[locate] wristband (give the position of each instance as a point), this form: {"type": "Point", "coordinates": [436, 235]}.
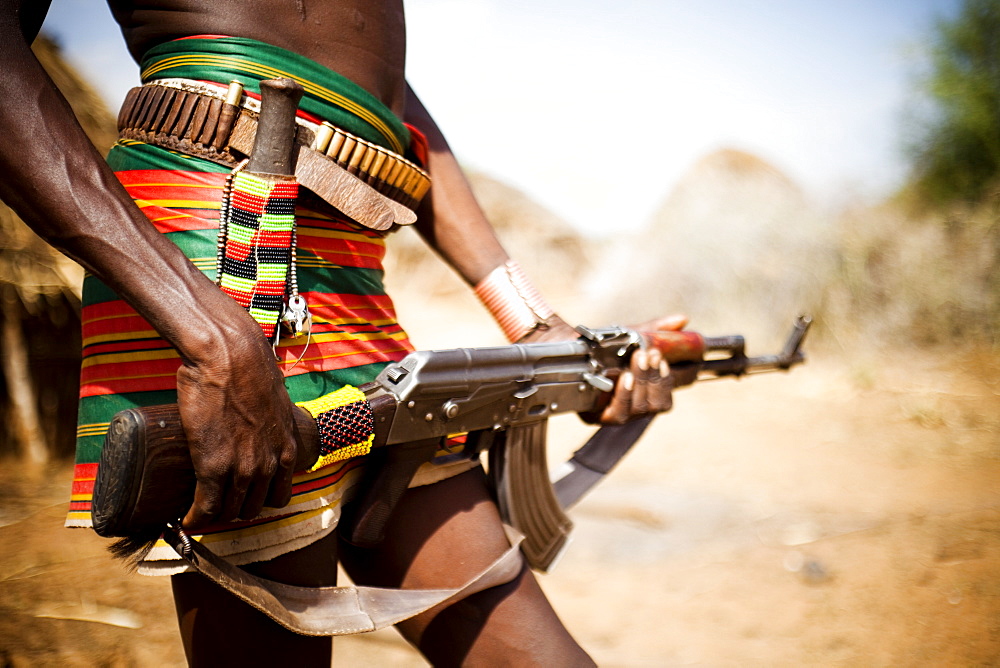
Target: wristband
{"type": "Point", "coordinates": [513, 301]}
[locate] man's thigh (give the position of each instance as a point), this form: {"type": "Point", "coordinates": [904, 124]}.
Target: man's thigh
{"type": "Point", "coordinates": [442, 535]}
{"type": "Point", "coordinates": [218, 629]}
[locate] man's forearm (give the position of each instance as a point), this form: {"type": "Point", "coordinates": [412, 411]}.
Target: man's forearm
{"type": "Point", "coordinates": [60, 186]}
{"type": "Point", "coordinates": [452, 222]}
{"type": "Point", "coordinates": [450, 218]}
{"type": "Point", "coordinates": [233, 403]}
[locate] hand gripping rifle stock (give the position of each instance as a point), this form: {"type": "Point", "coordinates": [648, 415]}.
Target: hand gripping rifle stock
{"type": "Point", "coordinates": [500, 396]}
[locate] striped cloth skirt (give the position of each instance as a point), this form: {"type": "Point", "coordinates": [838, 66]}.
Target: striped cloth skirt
{"type": "Point", "coordinates": [339, 269]}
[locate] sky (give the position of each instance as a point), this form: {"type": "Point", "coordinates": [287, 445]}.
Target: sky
{"type": "Point", "coordinates": [595, 108]}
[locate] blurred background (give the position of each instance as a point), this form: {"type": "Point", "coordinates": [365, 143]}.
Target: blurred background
{"type": "Point", "coordinates": [740, 165]}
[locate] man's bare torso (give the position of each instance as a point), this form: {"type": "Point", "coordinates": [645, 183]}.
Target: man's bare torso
{"type": "Point", "coordinates": [365, 40]}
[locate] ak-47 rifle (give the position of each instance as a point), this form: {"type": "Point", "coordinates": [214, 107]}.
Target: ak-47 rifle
{"type": "Point", "coordinates": [500, 396]}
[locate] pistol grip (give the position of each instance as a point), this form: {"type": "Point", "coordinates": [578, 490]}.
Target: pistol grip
{"type": "Point", "coordinates": [390, 471]}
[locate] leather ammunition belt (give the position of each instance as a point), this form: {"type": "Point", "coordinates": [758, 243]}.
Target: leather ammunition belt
{"type": "Point", "coordinates": [367, 182]}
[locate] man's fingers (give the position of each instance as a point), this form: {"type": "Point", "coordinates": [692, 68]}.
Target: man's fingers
{"type": "Point", "coordinates": [253, 502]}
{"type": "Point", "coordinates": [280, 490]}
{"type": "Point", "coordinates": [672, 322]}
{"type": "Point", "coordinates": [646, 387]}
{"type": "Point", "coordinates": [652, 392]}
{"type": "Point", "coordinates": [664, 388]}
{"type": "Point", "coordinates": [235, 497]}
{"type": "Point", "coordinates": [656, 385]}
{"type": "Point", "coordinates": [640, 392]}
{"type": "Point", "coordinates": [207, 505]}
{"type": "Point", "coordinates": [239, 499]}
{"type": "Point", "coordinates": [618, 409]}
{"type": "Point", "coordinates": [249, 488]}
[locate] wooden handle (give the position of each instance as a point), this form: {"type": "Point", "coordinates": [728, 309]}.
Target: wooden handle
{"type": "Point", "coordinates": [275, 140]}
{"type": "Point", "coordinates": [682, 346]}
{"type": "Point", "coordinates": [146, 478]}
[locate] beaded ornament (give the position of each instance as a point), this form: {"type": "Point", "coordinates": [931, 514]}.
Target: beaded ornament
{"type": "Point", "coordinates": [345, 423]}
{"type": "Point", "coordinates": [513, 301]}
{"type": "Point", "coordinates": [256, 232]}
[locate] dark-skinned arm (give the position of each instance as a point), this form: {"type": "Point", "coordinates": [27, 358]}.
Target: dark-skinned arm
{"type": "Point", "coordinates": [235, 410]}
{"type": "Point", "coordinates": [453, 224]}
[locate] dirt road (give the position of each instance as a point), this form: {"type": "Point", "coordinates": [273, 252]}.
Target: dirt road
{"type": "Point", "coordinates": [845, 514]}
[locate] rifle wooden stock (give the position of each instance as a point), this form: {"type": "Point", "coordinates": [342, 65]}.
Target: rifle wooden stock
{"type": "Point", "coordinates": [146, 478]}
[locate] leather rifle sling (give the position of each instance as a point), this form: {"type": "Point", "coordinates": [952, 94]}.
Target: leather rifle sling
{"type": "Point", "coordinates": [332, 611]}
{"type": "Point", "coordinates": [595, 459]}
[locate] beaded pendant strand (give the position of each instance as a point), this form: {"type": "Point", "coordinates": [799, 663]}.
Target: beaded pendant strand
{"type": "Point", "coordinates": [255, 249]}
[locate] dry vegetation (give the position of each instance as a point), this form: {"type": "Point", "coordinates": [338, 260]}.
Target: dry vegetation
{"type": "Point", "coordinates": [926, 278]}
{"type": "Point", "coordinates": [735, 245]}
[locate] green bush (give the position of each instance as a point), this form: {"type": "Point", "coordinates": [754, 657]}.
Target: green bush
{"type": "Point", "coordinates": [956, 156]}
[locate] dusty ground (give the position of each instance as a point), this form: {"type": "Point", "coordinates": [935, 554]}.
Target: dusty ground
{"type": "Point", "coordinates": [845, 514]}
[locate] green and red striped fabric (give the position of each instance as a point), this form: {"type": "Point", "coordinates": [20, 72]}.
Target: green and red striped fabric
{"type": "Point", "coordinates": [328, 95]}
{"type": "Point", "coordinates": [127, 364]}
{"type": "Point", "coordinates": [354, 329]}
